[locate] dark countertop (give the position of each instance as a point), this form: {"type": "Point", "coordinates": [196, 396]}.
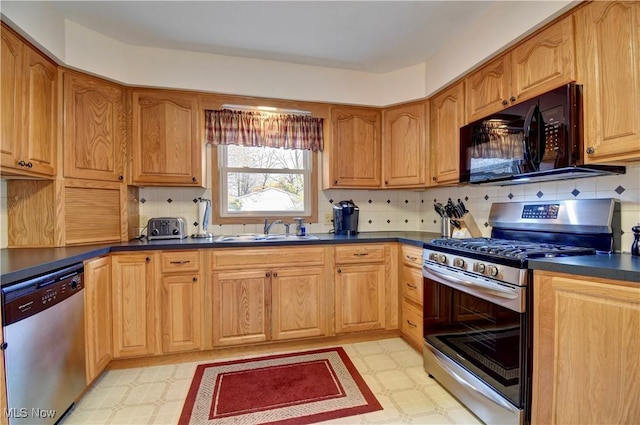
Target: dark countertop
{"type": "Point", "coordinates": [22, 263]}
{"type": "Point", "coordinates": [613, 266]}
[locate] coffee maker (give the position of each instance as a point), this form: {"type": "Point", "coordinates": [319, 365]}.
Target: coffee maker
{"type": "Point", "coordinates": [345, 218]}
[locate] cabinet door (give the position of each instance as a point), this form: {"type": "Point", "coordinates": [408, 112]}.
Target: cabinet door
{"type": "Point", "coordinates": [180, 312]}
{"type": "Point", "coordinates": [412, 325]}
{"type": "Point", "coordinates": [404, 146]}
{"type": "Point", "coordinates": [488, 89]}
{"type": "Point", "coordinates": [360, 296]}
{"type": "Point", "coordinates": [240, 309]}
{"type": "Point", "coordinates": [40, 118]}
{"type": "Point", "coordinates": [608, 52]}
{"type": "Point", "coordinates": [166, 143]}
{"type": "Point", "coordinates": [447, 116]}
{"type": "Point", "coordinates": [97, 313]}
{"type": "Point", "coordinates": [299, 303]}
{"type": "Point", "coordinates": [11, 69]}
{"type": "Point", "coordinates": [354, 154]}
{"type": "Point", "coordinates": [133, 305]}
{"type": "Point", "coordinates": [543, 62]}
{"type": "Point", "coordinates": [586, 339]}
{"type": "Point", "coordinates": [94, 128]}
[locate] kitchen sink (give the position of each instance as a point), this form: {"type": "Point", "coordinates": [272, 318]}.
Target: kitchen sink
{"type": "Point", "coordinates": [260, 237]}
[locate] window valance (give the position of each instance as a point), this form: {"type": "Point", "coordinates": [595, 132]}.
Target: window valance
{"type": "Point", "coordinates": [252, 128]}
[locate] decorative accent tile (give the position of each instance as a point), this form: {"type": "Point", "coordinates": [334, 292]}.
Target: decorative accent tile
{"type": "Point", "coordinates": [388, 221]}
{"type": "Point", "coordinates": [466, 198]}
{"type": "Point", "coordinates": [370, 221]}
{"type": "Point", "coordinates": [539, 194]}
{"type": "Point", "coordinates": [370, 201]}
{"type": "Point", "coordinates": [195, 200]}
{"type": "Point", "coordinates": [406, 220]}
{"type": "Point", "coordinates": [575, 192]}
{"type": "Point", "coordinates": [406, 201]}
{"type": "Point", "coordinates": [619, 190]}
{"type": "Point", "coordinates": [142, 200]}
{"type": "Point", "coordinates": [331, 201]}
{"type": "Point", "coordinates": [195, 223]}
{"type": "Point", "coordinates": [486, 224]}
{"type": "Point", "coordinates": [169, 200]}
{"type": "Point", "coordinates": [510, 195]}
{"type": "Point", "coordinates": [435, 200]}
{"type": "Point", "coordinates": [422, 201]}
{"type": "Point", "coordinates": [388, 201]}
{"type": "Point", "coordinates": [486, 197]}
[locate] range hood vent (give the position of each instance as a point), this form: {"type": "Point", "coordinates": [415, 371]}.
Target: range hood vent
{"type": "Point", "coordinates": [566, 173]}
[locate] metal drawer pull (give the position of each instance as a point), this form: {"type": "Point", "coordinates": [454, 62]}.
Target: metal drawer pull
{"type": "Point", "coordinates": [410, 323]}
{"type": "Point", "coordinates": [409, 257]}
{"type": "Point", "coordinates": [411, 286]}
{"type": "Point", "coordinates": [180, 262]}
{"type": "Point", "coordinates": [361, 254]}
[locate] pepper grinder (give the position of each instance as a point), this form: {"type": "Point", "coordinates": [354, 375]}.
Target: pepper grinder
{"type": "Point", "coordinates": [635, 246]}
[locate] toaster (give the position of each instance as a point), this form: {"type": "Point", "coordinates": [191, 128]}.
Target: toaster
{"type": "Point", "coordinates": [166, 228]}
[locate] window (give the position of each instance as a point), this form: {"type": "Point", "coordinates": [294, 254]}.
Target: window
{"type": "Point", "coordinates": [258, 182]}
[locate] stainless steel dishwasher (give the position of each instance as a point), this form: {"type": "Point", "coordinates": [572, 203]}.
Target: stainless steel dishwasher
{"type": "Point", "coordinates": [44, 349]}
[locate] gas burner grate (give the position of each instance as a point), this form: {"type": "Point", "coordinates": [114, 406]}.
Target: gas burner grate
{"type": "Point", "coordinates": [511, 248]}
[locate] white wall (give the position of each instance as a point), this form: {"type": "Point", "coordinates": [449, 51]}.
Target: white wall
{"type": "Point", "coordinates": [79, 47]}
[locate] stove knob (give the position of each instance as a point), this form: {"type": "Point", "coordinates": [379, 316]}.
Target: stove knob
{"type": "Point", "coordinates": [176, 232]}
{"type": "Point", "coordinates": [458, 262]}
{"type": "Point", "coordinates": [433, 256]}
{"type": "Point", "coordinates": [493, 271]}
{"type": "Point", "coordinates": [442, 258]}
{"type": "Point", "coordinates": [155, 232]}
{"type": "Point", "coordinates": [480, 267]}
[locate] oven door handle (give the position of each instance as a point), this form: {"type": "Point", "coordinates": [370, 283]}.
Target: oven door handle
{"type": "Point", "coordinates": [493, 288]}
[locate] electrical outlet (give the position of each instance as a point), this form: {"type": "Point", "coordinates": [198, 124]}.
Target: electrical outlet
{"type": "Point", "coordinates": [328, 219]}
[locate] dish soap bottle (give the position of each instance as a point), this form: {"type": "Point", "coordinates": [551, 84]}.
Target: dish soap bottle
{"type": "Point", "coordinates": [300, 227]}
{"type": "Point", "coordinates": [635, 246]}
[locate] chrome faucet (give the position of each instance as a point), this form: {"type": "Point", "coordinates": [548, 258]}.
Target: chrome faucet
{"type": "Point", "coordinates": [267, 225]}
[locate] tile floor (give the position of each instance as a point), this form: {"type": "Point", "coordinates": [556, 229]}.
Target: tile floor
{"type": "Point", "coordinates": [391, 368]}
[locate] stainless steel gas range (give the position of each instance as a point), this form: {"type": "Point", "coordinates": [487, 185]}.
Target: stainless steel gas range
{"type": "Point", "coordinates": [477, 299]}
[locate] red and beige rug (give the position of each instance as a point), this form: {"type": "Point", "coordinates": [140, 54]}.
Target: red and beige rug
{"type": "Point", "coordinates": [296, 388]}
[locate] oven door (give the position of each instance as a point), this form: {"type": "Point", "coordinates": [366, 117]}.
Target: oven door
{"type": "Point", "coordinates": [475, 346]}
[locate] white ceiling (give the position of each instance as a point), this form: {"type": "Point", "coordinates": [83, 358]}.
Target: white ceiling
{"type": "Point", "coordinates": [371, 36]}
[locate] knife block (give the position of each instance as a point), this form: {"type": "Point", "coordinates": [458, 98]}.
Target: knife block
{"type": "Point", "coordinates": [468, 228]}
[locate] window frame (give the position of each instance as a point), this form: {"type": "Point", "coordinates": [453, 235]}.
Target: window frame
{"type": "Point", "coordinates": [259, 216]}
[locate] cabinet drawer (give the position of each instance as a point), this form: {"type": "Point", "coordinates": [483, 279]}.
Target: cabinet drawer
{"type": "Point", "coordinates": [412, 323]}
{"type": "Point", "coordinates": [234, 258]}
{"type": "Point", "coordinates": [180, 261]}
{"type": "Point", "coordinates": [412, 255]}
{"type": "Point", "coordinates": [358, 253]}
{"type": "Point", "coordinates": [411, 281]}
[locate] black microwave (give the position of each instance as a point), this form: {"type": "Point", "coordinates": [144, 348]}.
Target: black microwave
{"type": "Point", "coordinates": [538, 139]}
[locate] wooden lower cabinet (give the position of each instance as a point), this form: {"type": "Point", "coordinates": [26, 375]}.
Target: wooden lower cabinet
{"type": "Point", "coordinates": [299, 307]}
{"type": "Point", "coordinates": [264, 294]}
{"type": "Point", "coordinates": [411, 292]}
{"type": "Point", "coordinates": [586, 340]}
{"type": "Point", "coordinates": [360, 297]}
{"type": "Point", "coordinates": [97, 315]}
{"type": "Point", "coordinates": [240, 311]}
{"type": "Point", "coordinates": [133, 299]}
{"type": "Point", "coordinates": [180, 301]}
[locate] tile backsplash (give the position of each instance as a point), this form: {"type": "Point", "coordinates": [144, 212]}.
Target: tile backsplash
{"type": "Point", "coordinates": [382, 210]}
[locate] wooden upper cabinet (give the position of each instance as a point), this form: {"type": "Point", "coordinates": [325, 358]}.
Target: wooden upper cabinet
{"type": "Point", "coordinates": [447, 116]}
{"type": "Point", "coordinates": [539, 64]}
{"type": "Point", "coordinates": [608, 51]}
{"type": "Point", "coordinates": [404, 145]}
{"type": "Point", "coordinates": [94, 128]}
{"type": "Point", "coordinates": [354, 154]}
{"type": "Point", "coordinates": [29, 111]}
{"type": "Point", "coordinates": [166, 144]}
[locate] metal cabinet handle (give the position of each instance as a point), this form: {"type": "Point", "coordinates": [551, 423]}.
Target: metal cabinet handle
{"type": "Point", "coordinates": [411, 286]}
{"type": "Point", "coordinates": [275, 274]}
{"type": "Point", "coordinates": [22, 163]}
{"type": "Point", "coordinates": [590, 150]}
{"type": "Point", "coordinates": [505, 103]}
{"type": "Point", "coordinates": [409, 257]}
{"type": "Point", "coordinates": [195, 279]}
{"type": "Point", "coordinates": [410, 323]}
{"type": "Point", "coordinates": [267, 274]}
{"type": "Point", "coordinates": [335, 182]}
{"type": "Point", "coordinates": [147, 259]}
{"type": "Point", "coordinates": [29, 165]}
{"type": "Point", "coordinates": [193, 179]}
{"type": "Point", "coordinates": [512, 98]}
{"type": "Point", "coordinates": [361, 254]}
{"type": "Point", "coordinates": [435, 179]}
{"type": "Point", "coordinates": [180, 262]}
{"type": "Point", "coordinates": [120, 177]}
{"type": "Point", "coordinates": [339, 270]}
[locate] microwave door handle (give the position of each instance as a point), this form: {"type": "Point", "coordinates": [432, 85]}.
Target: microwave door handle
{"type": "Point", "coordinates": [528, 155]}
